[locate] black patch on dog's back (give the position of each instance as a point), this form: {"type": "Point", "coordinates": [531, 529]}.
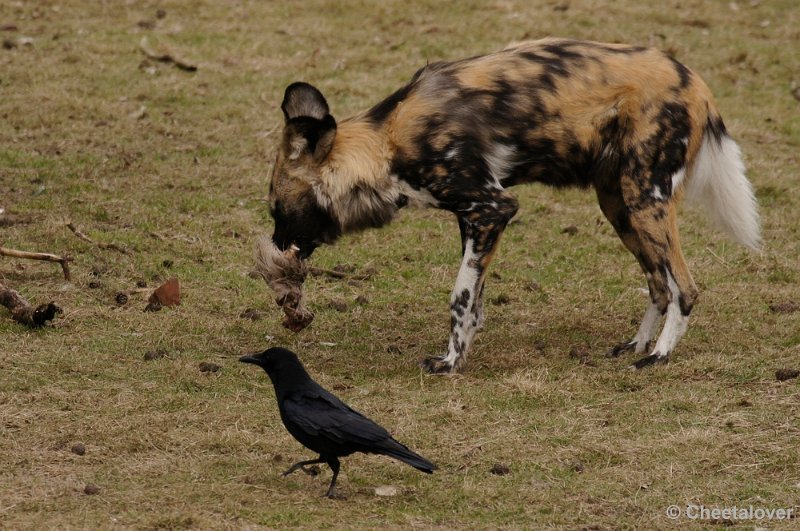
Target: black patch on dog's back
{"type": "Point", "coordinates": [380, 112]}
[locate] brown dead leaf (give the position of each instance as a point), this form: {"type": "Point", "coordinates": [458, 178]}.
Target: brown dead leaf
{"type": "Point", "coordinates": [167, 294]}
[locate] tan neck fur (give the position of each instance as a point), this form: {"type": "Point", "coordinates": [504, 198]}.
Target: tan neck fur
{"type": "Point", "coordinates": [354, 178]}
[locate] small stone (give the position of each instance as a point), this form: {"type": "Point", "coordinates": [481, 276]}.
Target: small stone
{"type": "Point", "coordinates": [91, 489]}
{"type": "Point", "coordinates": [386, 490]}
{"type": "Point", "coordinates": [78, 449]}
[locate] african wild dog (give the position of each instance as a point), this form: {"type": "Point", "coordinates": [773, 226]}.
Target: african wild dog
{"type": "Point", "coordinates": [631, 122]}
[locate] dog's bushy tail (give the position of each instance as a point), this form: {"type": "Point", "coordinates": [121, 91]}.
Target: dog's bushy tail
{"type": "Point", "coordinates": [718, 185]}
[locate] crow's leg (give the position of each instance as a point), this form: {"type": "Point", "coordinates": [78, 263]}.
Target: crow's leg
{"type": "Point", "coordinates": [301, 465]}
{"type": "Point", "coordinates": [334, 464]}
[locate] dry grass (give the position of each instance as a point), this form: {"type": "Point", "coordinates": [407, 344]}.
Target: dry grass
{"type": "Point", "coordinates": [173, 166]}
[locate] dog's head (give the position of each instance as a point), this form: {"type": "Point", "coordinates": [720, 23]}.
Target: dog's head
{"type": "Point", "coordinates": [297, 205]}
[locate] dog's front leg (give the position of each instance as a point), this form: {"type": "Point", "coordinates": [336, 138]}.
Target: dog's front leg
{"type": "Point", "coordinates": [463, 227]}
{"type": "Point", "coordinates": [481, 231]}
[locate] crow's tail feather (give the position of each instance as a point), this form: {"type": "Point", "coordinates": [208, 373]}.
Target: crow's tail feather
{"type": "Point", "coordinates": [394, 449]}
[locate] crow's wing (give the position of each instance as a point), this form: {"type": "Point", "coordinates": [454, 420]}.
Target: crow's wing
{"type": "Point", "coordinates": [319, 413]}
{"type": "Point", "coordinates": [323, 423]}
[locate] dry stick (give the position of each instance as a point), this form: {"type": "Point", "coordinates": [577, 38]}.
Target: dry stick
{"type": "Point", "coordinates": [165, 57]}
{"type": "Point", "coordinates": [318, 272]}
{"type": "Point", "coordinates": [71, 226]}
{"type": "Point", "coordinates": [22, 311]}
{"type": "Point", "coordinates": [63, 260]}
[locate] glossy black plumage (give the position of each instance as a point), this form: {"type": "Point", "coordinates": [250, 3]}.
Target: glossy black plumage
{"type": "Point", "coordinates": [323, 423]}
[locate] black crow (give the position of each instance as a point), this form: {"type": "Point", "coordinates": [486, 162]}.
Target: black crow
{"type": "Point", "coordinates": [323, 423]}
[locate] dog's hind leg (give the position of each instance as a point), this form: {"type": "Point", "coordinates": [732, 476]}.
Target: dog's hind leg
{"type": "Point", "coordinates": [613, 207]}
{"type": "Point", "coordinates": [683, 294]}
{"type": "Point", "coordinates": [650, 233]}
{"type": "Point", "coordinates": [483, 224]}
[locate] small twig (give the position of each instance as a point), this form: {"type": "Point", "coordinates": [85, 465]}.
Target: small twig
{"type": "Point", "coordinates": [318, 272]}
{"type": "Point", "coordinates": [718, 257]}
{"type": "Point", "coordinates": [63, 260]}
{"type": "Point", "coordinates": [22, 311]}
{"type": "Point", "coordinates": [113, 246]}
{"type": "Point", "coordinates": [176, 237]}
{"type": "Point", "coordinates": [165, 57]}
{"type": "Point", "coordinates": [138, 291]}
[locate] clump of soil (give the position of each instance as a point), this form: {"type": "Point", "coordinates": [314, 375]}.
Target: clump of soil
{"type": "Point", "coordinates": [284, 272]}
{"type": "Point", "coordinates": [151, 355]}
{"type": "Point", "coordinates": [500, 469]}
{"type": "Point", "coordinates": [784, 307]}
{"type": "Point", "coordinates": [338, 305]}
{"type": "Point", "coordinates": [250, 313]}
{"type": "Point", "coordinates": [78, 449]}
{"type": "Point", "coordinates": [786, 374]}
{"type": "Point", "coordinates": [207, 366]}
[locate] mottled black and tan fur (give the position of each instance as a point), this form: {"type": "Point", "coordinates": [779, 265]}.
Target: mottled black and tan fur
{"type": "Point", "coordinates": [635, 125]}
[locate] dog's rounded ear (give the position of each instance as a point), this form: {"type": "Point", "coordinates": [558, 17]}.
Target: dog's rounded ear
{"type": "Point", "coordinates": [302, 99]}
{"type": "Point", "coordinates": [309, 136]}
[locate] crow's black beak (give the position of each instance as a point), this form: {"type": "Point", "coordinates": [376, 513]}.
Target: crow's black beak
{"type": "Point", "coordinates": [250, 358]}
